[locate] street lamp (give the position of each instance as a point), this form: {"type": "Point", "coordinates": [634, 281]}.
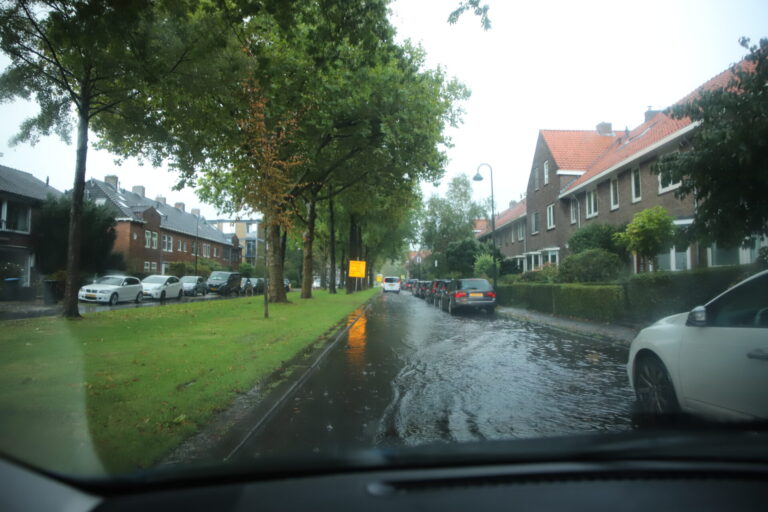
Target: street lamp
{"type": "Point", "coordinates": [479, 177]}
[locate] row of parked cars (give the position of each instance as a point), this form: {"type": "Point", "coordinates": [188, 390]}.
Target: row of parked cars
{"type": "Point", "coordinates": [452, 295]}
{"type": "Point", "coordinates": [112, 289]}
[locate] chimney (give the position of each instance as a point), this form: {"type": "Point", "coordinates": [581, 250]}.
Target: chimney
{"type": "Point", "coordinates": [604, 129]}
{"type": "Point", "coordinates": [649, 114]}
{"type": "Point", "coordinates": [160, 199]}
{"type": "Point", "coordinates": [138, 190]}
{"type": "Point", "coordinates": [179, 206]}
{"type": "Point", "coordinates": [111, 180]}
{"type": "Point", "coordinates": [196, 212]}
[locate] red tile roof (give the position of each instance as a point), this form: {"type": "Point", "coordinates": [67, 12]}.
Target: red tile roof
{"type": "Point", "coordinates": [575, 150]}
{"type": "Point", "coordinates": [505, 217]}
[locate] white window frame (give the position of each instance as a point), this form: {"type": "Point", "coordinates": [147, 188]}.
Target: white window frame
{"type": "Point", "coordinates": [147, 239]}
{"type": "Point", "coordinates": [520, 230]}
{"type": "Point", "coordinates": [146, 266]}
{"type": "Point", "coordinates": [536, 178]}
{"type": "Point", "coordinates": [4, 217]}
{"type": "Point", "coordinates": [592, 210]}
{"type": "Point", "coordinates": [186, 247]}
{"type": "Point", "coordinates": [154, 239]}
{"type": "Point", "coordinates": [637, 190]}
{"type": "Point", "coordinates": [546, 172]}
{"type": "Point", "coordinates": [534, 223]}
{"type": "Point", "coordinates": [574, 210]}
{"type": "Point", "coordinates": [551, 216]}
{"type": "Point", "coordinates": [206, 250]}
{"type": "Point", "coordinates": [215, 252]}
{"type": "Point", "coordinates": [614, 187]}
{"type": "Point", "coordinates": [668, 188]}
{"type": "Point", "coordinates": [154, 266]}
{"type": "Point", "coordinates": [673, 259]}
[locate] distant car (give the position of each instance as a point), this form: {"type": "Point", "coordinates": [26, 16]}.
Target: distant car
{"type": "Point", "coordinates": [441, 288]}
{"type": "Point", "coordinates": [246, 286]}
{"type": "Point", "coordinates": [194, 285]}
{"type": "Point", "coordinates": [712, 361]}
{"type": "Point", "coordinates": [111, 290]}
{"type": "Point", "coordinates": [421, 289]}
{"type": "Point", "coordinates": [258, 285]}
{"type": "Point", "coordinates": [391, 284]}
{"type": "Point", "coordinates": [433, 289]}
{"type": "Point", "coordinates": [224, 283]}
{"type": "Point", "coordinates": [471, 293]}
{"type": "Point", "coordinates": [162, 287]}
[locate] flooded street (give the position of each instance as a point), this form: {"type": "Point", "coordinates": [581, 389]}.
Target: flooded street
{"type": "Point", "coordinates": [407, 373]}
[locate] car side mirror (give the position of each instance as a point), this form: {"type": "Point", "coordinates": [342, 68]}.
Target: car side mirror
{"type": "Point", "coordinates": [697, 317]}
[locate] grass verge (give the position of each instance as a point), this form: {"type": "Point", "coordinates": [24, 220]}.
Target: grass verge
{"type": "Point", "coordinates": [117, 390]}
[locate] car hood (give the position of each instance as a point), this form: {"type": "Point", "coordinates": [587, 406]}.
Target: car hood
{"type": "Point", "coordinates": [151, 286]}
{"type": "Point", "coordinates": [100, 287]}
{"type": "Point", "coordinates": [678, 319]}
{"type": "Point", "coordinates": [188, 285]}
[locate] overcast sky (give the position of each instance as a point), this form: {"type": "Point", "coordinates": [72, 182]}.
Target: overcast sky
{"type": "Point", "coordinates": [543, 65]}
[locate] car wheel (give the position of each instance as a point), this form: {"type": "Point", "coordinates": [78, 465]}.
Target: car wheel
{"type": "Point", "coordinates": [139, 298]}
{"type": "Point", "coordinates": [653, 387]}
{"type": "Point", "coordinates": [113, 299]}
{"type": "Point", "coordinates": [450, 308]}
{"type": "Point", "coordinates": [180, 294]}
{"type": "Point", "coordinates": [162, 295]}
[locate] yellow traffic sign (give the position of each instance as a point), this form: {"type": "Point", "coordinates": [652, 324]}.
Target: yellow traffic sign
{"type": "Point", "coordinates": [356, 268]}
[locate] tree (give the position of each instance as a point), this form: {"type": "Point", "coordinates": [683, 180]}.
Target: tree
{"type": "Point", "coordinates": [724, 168]}
{"type": "Point", "coordinates": [478, 10]}
{"type": "Point", "coordinates": [590, 265]}
{"type": "Point", "coordinates": [451, 218]}
{"type": "Point", "coordinates": [92, 57]}
{"type": "Point", "coordinates": [483, 265]}
{"type": "Point", "coordinates": [460, 257]}
{"type": "Point", "coordinates": [51, 234]}
{"type": "Point", "coordinates": [650, 232]}
{"type": "Point", "coordinates": [596, 236]}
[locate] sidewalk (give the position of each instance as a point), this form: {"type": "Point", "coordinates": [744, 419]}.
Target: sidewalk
{"type": "Point", "coordinates": [14, 309]}
{"type": "Point", "coordinates": [611, 332]}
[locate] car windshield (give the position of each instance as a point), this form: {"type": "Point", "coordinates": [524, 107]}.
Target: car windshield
{"type": "Point", "coordinates": [559, 190]}
{"type": "Point", "coordinates": [154, 280]}
{"type": "Point", "coordinates": [114, 281]}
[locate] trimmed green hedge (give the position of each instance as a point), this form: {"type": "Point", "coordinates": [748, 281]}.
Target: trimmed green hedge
{"type": "Point", "coordinates": [642, 299]}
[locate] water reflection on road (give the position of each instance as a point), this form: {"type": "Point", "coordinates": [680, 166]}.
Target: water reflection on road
{"type": "Point", "coordinates": [408, 373]}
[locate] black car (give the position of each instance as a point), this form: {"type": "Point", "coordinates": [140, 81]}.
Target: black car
{"type": "Point", "coordinates": [474, 293]}
{"type": "Point", "coordinates": [224, 283]}
{"type": "Point", "coordinates": [258, 285]}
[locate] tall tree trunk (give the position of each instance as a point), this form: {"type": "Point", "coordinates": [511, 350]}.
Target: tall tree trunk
{"type": "Point", "coordinates": [352, 254]}
{"type": "Point", "coordinates": [342, 269]}
{"type": "Point", "coordinates": [332, 247]}
{"type": "Point", "coordinates": [72, 283]}
{"type": "Point", "coordinates": [275, 270]}
{"type": "Point", "coordinates": [309, 239]}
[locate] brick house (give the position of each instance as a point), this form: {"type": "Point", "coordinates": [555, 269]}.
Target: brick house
{"type": "Point", "coordinates": [21, 195]}
{"type": "Point", "coordinates": [152, 234]}
{"type": "Point", "coordinates": [250, 234]}
{"type": "Point", "coordinates": [580, 177]}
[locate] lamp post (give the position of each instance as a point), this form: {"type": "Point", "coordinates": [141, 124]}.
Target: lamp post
{"type": "Point", "coordinates": [479, 177]}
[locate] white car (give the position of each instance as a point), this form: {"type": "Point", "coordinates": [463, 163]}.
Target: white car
{"type": "Point", "coordinates": [391, 284]}
{"type": "Point", "coordinates": [711, 362]}
{"type": "Point", "coordinates": [162, 287]}
{"type": "Point", "coordinates": [111, 290]}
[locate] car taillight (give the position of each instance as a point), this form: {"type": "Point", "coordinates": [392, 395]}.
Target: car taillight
{"type": "Point", "coordinates": [460, 294]}
{"type": "Point", "coordinates": [490, 294]}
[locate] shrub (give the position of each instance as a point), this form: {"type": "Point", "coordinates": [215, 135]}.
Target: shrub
{"type": "Point", "coordinates": [484, 265]}
{"type": "Point", "coordinates": [596, 236]}
{"type": "Point", "coordinates": [592, 265]}
{"type": "Point", "coordinates": [602, 303]}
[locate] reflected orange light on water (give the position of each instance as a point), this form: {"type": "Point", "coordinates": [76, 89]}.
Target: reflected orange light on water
{"type": "Point", "coordinates": [356, 340]}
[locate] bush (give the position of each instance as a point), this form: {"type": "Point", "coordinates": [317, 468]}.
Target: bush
{"type": "Point", "coordinates": [484, 265]}
{"type": "Point", "coordinates": [596, 236]}
{"type": "Point", "coordinates": [654, 295]}
{"type": "Point", "coordinates": [592, 265]}
{"type": "Point", "coordinates": [602, 303]}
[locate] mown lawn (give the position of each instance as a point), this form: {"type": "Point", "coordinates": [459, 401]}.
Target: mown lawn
{"type": "Point", "coordinates": [116, 391]}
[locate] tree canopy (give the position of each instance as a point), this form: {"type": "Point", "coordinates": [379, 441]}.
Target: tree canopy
{"type": "Point", "coordinates": [725, 167]}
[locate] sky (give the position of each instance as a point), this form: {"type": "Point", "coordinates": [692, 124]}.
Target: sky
{"type": "Point", "coordinates": [543, 65]}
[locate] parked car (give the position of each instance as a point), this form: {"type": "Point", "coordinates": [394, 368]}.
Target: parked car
{"type": "Point", "coordinates": [194, 285]}
{"type": "Point", "coordinates": [441, 288]}
{"type": "Point", "coordinates": [422, 289]}
{"type": "Point", "coordinates": [432, 289]}
{"type": "Point", "coordinates": [712, 361]}
{"type": "Point", "coordinates": [111, 290]}
{"type": "Point", "coordinates": [471, 293]}
{"type": "Point", "coordinates": [391, 284]}
{"type": "Point", "coordinates": [162, 287]}
{"type": "Point", "coordinates": [224, 283]}
{"type": "Point", "coordinates": [246, 286]}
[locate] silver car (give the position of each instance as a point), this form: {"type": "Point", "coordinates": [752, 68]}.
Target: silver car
{"type": "Point", "coordinates": [472, 293]}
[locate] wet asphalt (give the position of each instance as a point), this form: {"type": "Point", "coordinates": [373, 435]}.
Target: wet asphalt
{"type": "Point", "coordinates": [408, 374]}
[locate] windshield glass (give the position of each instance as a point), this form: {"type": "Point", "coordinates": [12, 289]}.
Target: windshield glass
{"type": "Point", "coordinates": [114, 281]}
{"type": "Point", "coordinates": [555, 187]}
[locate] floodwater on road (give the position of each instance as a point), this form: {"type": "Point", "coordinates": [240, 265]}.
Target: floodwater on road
{"type": "Point", "coordinates": [407, 373]}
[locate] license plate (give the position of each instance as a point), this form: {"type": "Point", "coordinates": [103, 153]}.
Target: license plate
{"type": "Point", "coordinates": [90, 295]}
{"type": "Point", "coordinates": [475, 294]}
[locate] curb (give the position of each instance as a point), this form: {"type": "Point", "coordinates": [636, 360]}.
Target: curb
{"type": "Point", "coordinates": [587, 331]}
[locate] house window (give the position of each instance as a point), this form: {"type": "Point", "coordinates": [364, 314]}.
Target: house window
{"type": "Point", "coordinates": [185, 246]}
{"type": "Point", "coordinates": [147, 239]}
{"type": "Point", "coordinates": [215, 252]}
{"type": "Point", "coordinates": [666, 184]}
{"type": "Point", "coordinates": [167, 243]}
{"type": "Point", "coordinates": [15, 217]}
{"type": "Point", "coordinates": [154, 239]}
{"type": "Point", "coordinates": [636, 193]}
{"type": "Point", "coordinates": [536, 178]}
{"type": "Point", "coordinates": [535, 223]}
{"type": "Point", "coordinates": [574, 210]}
{"type": "Point", "coordinates": [674, 259]}
{"type": "Point", "coordinates": [520, 230]}
{"type": "Point", "coordinates": [591, 204]}
{"type": "Point", "coordinates": [146, 266]}
{"type": "Point", "coordinates": [154, 266]}
{"type": "Point", "coordinates": [135, 236]}
{"type": "Point", "coordinates": [614, 194]}
{"type": "Point", "coordinates": [194, 248]}
{"type": "Point", "coordinates": [551, 216]}
{"type": "Point", "coordinates": [546, 172]}
{"type": "Point", "coordinates": [206, 250]}
{"type": "Point", "coordinates": [181, 245]}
